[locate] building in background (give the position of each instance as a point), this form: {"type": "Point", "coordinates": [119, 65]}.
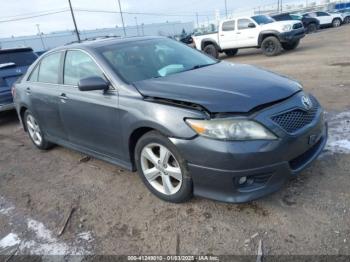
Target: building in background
{"type": "Point", "coordinates": [43, 42]}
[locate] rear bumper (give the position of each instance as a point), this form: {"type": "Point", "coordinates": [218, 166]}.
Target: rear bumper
{"type": "Point", "coordinates": [292, 36]}
{"type": "Point", "coordinates": [7, 107]}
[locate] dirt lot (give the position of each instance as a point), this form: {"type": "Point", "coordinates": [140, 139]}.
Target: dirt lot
{"type": "Point", "coordinates": [115, 213]}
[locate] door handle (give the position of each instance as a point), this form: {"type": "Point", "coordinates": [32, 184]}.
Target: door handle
{"type": "Point", "coordinates": [63, 97]}
{"type": "Point", "coordinates": [28, 91]}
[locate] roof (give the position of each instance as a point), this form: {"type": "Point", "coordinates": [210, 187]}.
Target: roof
{"type": "Point", "coordinates": [14, 50]}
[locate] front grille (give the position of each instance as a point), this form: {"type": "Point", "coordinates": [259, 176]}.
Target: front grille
{"type": "Point", "coordinates": [296, 119]}
{"type": "Point", "coordinates": [297, 25]}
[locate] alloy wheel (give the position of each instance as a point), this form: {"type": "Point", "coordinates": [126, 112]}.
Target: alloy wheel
{"type": "Point", "coordinates": [34, 130]}
{"type": "Point", "coordinates": [270, 46]}
{"type": "Point", "coordinates": [161, 169]}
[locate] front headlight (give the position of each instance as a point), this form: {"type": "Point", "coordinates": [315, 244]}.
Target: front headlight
{"type": "Point", "coordinates": [286, 28]}
{"type": "Point", "coordinates": [230, 129]}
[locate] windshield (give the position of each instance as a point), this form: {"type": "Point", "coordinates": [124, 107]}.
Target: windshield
{"type": "Point", "coordinates": [18, 58]}
{"type": "Point", "coordinates": [146, 59]}
{"type": "Point", "coordinates": [263, 19]}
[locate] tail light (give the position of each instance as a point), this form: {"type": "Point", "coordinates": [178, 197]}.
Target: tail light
{"type": "Point", "coordinates": [13, 91]}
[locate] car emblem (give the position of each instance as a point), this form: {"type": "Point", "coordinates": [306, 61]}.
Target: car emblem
{"type": "Point", "coordinates": [306, 101]}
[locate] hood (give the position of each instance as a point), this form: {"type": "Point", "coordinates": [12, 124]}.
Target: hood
{"type": "Point", "coordinates": [222, 87]}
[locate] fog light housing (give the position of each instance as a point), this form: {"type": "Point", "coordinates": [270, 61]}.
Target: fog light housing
{"type": "Point", "coordinates": [242, 180]}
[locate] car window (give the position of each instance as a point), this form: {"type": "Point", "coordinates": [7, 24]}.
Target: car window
{"type": "Point", "coordinates": [321, 14]}
{"type": "Point", "coordinates": [49, 68]}
{"type": "Point", "coordinates": [34, 75]}
{"type": "Point", "coordinates": [19, 58]}
{"type": "Point", "coordinates": [79, 65]}
{"type": "Point", "coordinates": [243, 24]}
{"type": "Point", "coordinates": [228, 26]}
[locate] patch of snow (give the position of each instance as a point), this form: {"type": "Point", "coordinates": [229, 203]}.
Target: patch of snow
{"type": "Point", "coordinates": [339, 133]}
{"type": "Point", "coordinates": [9, 241]}
{"type": "Point", "coordinates": [40, 230]}
{"type": "Point", "coordinates": [85, 236]}
{"type": "Point", "coordinates": [6, 211]}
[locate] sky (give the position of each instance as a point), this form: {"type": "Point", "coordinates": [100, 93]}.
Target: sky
{"type": "Point", "coordinates": [158, 11]}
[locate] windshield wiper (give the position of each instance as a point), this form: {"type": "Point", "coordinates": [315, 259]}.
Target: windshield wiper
{"type": "Point", "coordinates": [200, 66]}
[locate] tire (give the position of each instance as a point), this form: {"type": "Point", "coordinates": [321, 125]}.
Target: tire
{"type": "Point", "coordinates": [231, 52]}
{"type": "Point", "coordinates": [211, 50]}
{"type": "Point", "coordinates": [311, 28]}
{"type": "Point", "coordinates": [271, 46]}
{"type": "Point", "coordinates": [347, 20]}
{"type": "Point", "coordinates": [35, 132]}
{"type": "Point", "coordinates": [149, 147]}
{"type": "Point", "coordinates": [336, 22]}
{"type": "Point", "coordinates": [290, 45]}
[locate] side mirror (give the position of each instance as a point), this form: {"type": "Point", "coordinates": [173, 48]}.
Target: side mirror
{"type": "Point", "coordinates": [251, 25]}
{"type": "Point", "coordinates": [93, 83]}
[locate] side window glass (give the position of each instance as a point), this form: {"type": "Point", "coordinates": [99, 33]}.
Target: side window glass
{"type": "Point", "coordinates": [49, 68]}
{"type": "Point", "coordinates": [79, 65]}
{"type": "Point", "coordinates": [228, 26]}
{"type": "Point", "coordinates": [243, 24]}
{"type": "Point", "coordinates": [34, 75]}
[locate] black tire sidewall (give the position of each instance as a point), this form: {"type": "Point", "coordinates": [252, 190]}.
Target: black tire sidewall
{"type": "Point", "coordinates": [277, 44]}
{"type": "Point", "coordinates": [231, 52]}
{"type": "Point", "coordinates": [186, 190]}
{"type": "Point", "coordinates": [44, 143]}
{"type": "Point", "coordinates": [211, 51]}
{"type": "Point", "coordinates": [311, 28]}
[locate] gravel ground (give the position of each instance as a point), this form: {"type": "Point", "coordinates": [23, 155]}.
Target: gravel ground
{"type": "Point", "coordinates": [115, 214]}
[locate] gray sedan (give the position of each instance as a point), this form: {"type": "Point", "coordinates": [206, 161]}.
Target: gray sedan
{"type": "Point", "coordinates": [189, 124]}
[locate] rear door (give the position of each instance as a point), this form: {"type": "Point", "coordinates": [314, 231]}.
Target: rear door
{"type": "Point", "coordinates": [43, 88]}
{"type": "Point", "coordinates": [90, 118]}
{"type": "Point", "coordinates": [324, 18]}
{"type": "Point", "coordinates": [247, 36]}
{"type": "Point", "coordinates": [227, 35]}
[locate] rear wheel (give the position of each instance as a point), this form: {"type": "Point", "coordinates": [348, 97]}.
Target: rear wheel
{"type": "Point", "coordinates": [211, 50]}
{"type": "Point", "coordinates": [336, 22]}
{"type": "Point", "coordinates": [35, 132]}
{"type": "Point", "coordinates": [311, 28]}
{"type": "Point", "coordinates": [231, 52]}
{"type": "Point", "coordinates": [290, 45]}
{"type": "Point", "coordinates": [162, 168]}
{"type": "Point", "coordinates": [347, 20]}
{"type": "Point", "coordinates": [271, 46]}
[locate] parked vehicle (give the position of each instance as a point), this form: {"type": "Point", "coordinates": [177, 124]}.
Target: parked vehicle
{"type": "Point", "coordinates": [188, 123]}
{"type": "Point", "coordinates": [326, 19]}
{"type": "Point", "coordinates": [345, 13]}
{"type": "Point", "coordinates": [13, 64]}
{"type": "Point", "coordinates": [310, 24]}
{"type": "Point", "coordinates": [246, 32]}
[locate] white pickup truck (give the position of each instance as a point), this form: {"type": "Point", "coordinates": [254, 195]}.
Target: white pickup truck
{"type": "Point", "coordinates": [259, 31]}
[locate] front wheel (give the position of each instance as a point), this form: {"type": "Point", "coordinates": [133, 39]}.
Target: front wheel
{"type": "Point", "coordinates": [336, 22]}
{"type": "Point", "coordinates": [271, 46]}
{"type": "Point", "coordinates": [311, 28]}
{"type": "Point", "coordinates": [290, 45]}
{"type": "Point", "coordinates": [162, 168]}
{"type": "Point", "coordinates": [35, 131]}
{"type": "Point", "coordinates": [211, 50]}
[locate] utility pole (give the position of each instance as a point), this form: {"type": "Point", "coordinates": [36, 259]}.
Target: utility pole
{"type": "Point", "coordinates": [142, 29]}
{"type": "Point", "coordinates": [121, 15]}
{"type": "Point", "coordinates": [75, 24]}
{"type": "Point", "coordinates": [137, 26]}
{"type": "Point", "coordinates": [281, 6]}
{"type": "Point", "coordinates": [197, 20]}
{"type": "Point", "coordinates": [41, 37]}
{"type": "Point", "coordinates": [226, 7]}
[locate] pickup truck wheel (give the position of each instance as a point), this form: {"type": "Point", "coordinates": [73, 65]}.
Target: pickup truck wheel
{"type": "Point", "coordinates": [231, 52]}
{"type": "Point", "coordinates": [311, 28]}
{"type": "Point", "coordinates": [336, 22]}
{"type": "Point", "coordinates": [271, 46]}
{"type": "Point", "coordinates": [211, 50]}
{"type": "Point", "coordinates": [290, 45]}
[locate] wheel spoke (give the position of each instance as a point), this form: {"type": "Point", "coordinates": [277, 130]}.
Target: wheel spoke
{"type": "Point", "coordinates": [168, 187]}
{"type": "Point", "coordinates": [174, 172]}
{"type": "Point", "coordinates": [151, 174]}
{"type": "Point", "coordinates": [148, 153]}
{"type": "Point", "coordinates": [164, 155]}
{"type": "Point", "coordinates": [30, 124]}
{"type": "Point", "coordinates": [38, 136]}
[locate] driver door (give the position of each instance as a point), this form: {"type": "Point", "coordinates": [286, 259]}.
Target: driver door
{"type": "Point", "coordinates": [90, 118]}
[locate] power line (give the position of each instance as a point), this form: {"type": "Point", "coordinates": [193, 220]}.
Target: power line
{"type": "Point", "coordinates": [33, 16]}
